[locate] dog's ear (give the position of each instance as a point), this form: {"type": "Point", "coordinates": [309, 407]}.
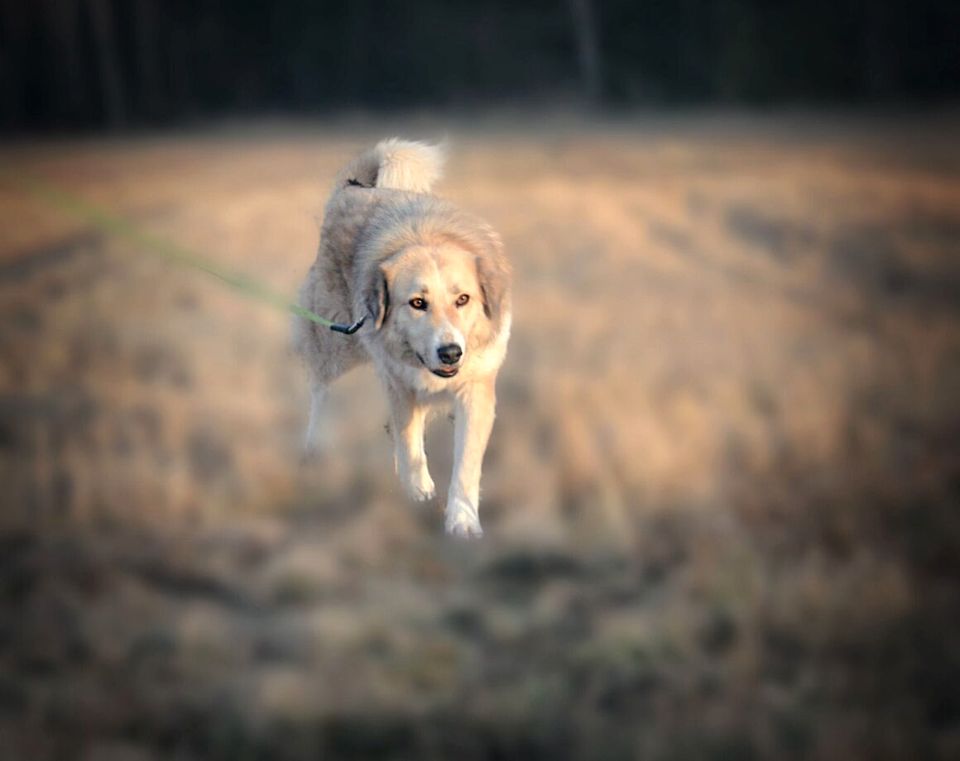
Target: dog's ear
{"type": "Point", "coordinates": [376, 297]}
{"type": "Point", "coordinates": [493, 273]}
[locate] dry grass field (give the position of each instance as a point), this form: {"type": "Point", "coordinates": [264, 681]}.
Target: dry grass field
{"type": "Point", "coordinates": [722, 498]}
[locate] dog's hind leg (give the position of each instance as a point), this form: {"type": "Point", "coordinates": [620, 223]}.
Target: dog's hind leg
{"type": "Point", "coordinates": [317, 438]}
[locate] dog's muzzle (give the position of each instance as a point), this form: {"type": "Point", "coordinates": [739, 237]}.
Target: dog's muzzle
{"type": "Point", "coordinates": [449, 355]}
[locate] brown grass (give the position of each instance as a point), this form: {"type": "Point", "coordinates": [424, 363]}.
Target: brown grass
{"type": "Point", "coordinates": [721, 496]}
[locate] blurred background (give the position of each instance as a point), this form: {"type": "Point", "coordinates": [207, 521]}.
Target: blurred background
{"type": "Point", "coordinates": [97, 63]}
{"type": "Point", "coordinates": [722, 493]}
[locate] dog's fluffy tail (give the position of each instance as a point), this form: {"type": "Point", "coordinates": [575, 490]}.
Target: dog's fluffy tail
{"type": "Point", "coordinates": [397, 164]}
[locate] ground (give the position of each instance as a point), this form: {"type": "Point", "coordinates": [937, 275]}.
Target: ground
{"type": "Point", "coordinates": [721, 497]}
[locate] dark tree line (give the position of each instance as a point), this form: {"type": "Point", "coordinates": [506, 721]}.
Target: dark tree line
{"type": "Point", "coordinates": [88, 63]}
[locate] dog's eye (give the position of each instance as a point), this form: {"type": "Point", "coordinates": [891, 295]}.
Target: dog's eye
{"type": "Point", "coordinates": [463, 299]}
{"type": "Point", "coordinates": [418, 303]}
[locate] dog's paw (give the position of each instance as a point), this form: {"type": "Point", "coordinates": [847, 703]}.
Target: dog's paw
{"type": "Point", "coordinates": [419, 485]}
{"type": "Point", "coordinates": [462, 520]}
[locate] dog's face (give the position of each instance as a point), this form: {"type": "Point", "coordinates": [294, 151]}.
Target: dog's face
{"type": "Point", "coordinates": [430, 307]}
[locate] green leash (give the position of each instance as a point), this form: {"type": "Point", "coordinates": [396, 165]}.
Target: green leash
{"type": "Point", "coordinates": [113, 224]}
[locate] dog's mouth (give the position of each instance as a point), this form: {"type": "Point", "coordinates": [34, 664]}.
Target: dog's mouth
{"type": "Point", "coordinates": [443, 372]}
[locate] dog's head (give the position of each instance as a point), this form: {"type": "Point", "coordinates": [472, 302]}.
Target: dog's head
{"type": "Point", "coordinates": [436, 304]}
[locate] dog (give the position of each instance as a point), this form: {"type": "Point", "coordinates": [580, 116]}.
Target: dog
{"type": "Point", "coordinates": [433, 286]}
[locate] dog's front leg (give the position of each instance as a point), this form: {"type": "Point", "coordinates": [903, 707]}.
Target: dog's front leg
{"type": "Point", "coordinates": [474, 409]}
{"type": "Point", "coordinates": [408, 422]}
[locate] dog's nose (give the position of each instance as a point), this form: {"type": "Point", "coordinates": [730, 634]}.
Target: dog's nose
{"type": "Point", "coordinates": [449, 354]}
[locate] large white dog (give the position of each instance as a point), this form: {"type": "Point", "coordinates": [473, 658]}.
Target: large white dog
{"type": "Point", "coordinates": [433, 286]}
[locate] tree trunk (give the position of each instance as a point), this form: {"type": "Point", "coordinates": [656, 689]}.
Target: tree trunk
{"type": "Point", "coordinates": [879, 67]}
{"type": "Point", "coordinates": [146, 23]}
{"type": "Point", "coordinates": [64, 23]}
{"type": "Point", "coordinates": [13, 35]}
{"type": "Point", "coordinates": [108, 62]}
{"type": "Point", "coordinates": [179, 59]}
{"type": "Point", "coordinates": [356, 54]}
{"type": "Point", "coordinates": [588, 49]}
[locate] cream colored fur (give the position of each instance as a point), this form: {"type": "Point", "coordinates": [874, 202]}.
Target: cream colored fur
{"type": "Point", "coordinates": [426, 276]}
